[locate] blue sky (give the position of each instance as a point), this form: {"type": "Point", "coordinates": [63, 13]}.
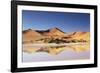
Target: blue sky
{"type": "Point", "coordinates": [66, 21]}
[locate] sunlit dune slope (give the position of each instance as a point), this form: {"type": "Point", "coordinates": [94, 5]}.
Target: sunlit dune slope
{"type": "Point", "coordinates": [81, 35]}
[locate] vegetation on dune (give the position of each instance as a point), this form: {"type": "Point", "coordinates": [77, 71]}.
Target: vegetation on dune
{"type": "Point", "coordinates": [57, 41]}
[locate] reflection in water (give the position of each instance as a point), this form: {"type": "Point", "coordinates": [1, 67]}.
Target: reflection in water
{"type": "Point", "coordinates": [54, 50]}
{"type": "Point", "coordinates": [34, 53]}
{"type": "Point", "coordinates": [64, 55]}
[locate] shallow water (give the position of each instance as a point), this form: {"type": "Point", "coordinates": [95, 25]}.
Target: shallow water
{"type": "Point", "coordinates": [64, 55]}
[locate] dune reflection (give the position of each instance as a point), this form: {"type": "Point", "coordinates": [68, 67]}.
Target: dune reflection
{"type": "Point", "coordinates": [54, 50]}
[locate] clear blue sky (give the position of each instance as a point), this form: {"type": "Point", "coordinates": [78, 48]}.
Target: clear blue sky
{"type": "Point", "coordinates": [66, 21]}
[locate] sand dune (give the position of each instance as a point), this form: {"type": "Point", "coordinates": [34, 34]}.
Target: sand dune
{"type": "Point", "coordinates": [33, 35]}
